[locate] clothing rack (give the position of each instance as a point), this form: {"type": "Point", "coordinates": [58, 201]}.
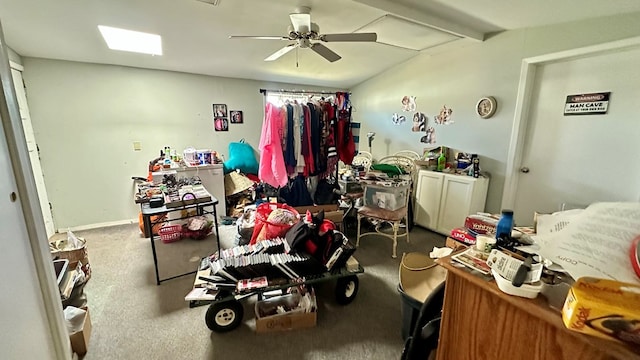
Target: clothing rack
{"type": "Point", "coordinates": [310, 93]}
{"type": "Point", "coordinates": [302, 92]}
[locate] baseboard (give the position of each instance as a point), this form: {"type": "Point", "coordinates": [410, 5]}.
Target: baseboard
{"type": "Point", "coordinates": [98, 225]}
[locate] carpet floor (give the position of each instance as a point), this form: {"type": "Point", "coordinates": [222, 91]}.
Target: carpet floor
{"type": "Point", "coordinates": [133, 318]}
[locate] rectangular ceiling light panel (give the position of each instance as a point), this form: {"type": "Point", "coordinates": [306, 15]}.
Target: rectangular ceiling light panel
{"type": "Point", "coordinates": [134, 41]}
{"type": "Point", "coordinates": [399, 32]}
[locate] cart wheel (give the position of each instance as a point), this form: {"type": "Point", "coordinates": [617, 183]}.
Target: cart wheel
{"type": "Point", "coordinates": [224, 316]}
{"type": "Point", "coordinates": [346, 289]}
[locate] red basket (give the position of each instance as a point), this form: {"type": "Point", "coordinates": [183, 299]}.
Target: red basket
{"type": "Point", "coordinates": [170, 233]}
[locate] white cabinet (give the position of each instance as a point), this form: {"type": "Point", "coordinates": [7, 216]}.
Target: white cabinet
{"type": "Point", "coordinates": [443, 201]}
{"type": "Point", "coordinates": [428, 193]}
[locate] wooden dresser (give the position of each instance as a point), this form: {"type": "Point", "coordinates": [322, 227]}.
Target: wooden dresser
{"type": "Point", "coordinates": [480, 322]}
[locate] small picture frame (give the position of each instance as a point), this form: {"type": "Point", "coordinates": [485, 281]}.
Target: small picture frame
{"type": "Point", "coordinates": [220, 124]}
{"type": "Point", "coordinates": [236, 117]}
{"type": "Point", "coordinates": [220, 110]}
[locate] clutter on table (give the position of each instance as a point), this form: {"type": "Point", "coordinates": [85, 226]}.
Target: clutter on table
{"type": "Point", "coordinates": [579, 261]}
{"type": "Point", "coordinates": [444, 159]}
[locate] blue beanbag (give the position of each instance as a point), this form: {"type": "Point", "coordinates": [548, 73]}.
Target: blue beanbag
{"type": "Point", "coordinates": [241, 157]}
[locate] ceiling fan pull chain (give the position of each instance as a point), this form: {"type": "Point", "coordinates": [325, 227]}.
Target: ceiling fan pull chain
{"type": "Point", "coordinates": [297, 65]}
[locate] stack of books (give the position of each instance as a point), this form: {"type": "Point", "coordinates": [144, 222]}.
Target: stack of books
{"type": "Point", "coordinates": [273, 246]}
{"type": "Point", "coordinates": [270, 265]}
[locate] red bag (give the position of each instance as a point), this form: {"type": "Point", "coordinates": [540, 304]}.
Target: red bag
{"type": "Point", "coordinates": [268, 229]}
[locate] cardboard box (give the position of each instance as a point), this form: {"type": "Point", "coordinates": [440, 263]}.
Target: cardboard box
{"type": "Point", "coordinates": [463, 235]}
{"type": "Point", "coordinates": [604, 308]}
{"type": "Point", "coordinates": [331, 212]}
{"type": "Point", "coordinates": [283, 322]}
{"type": "Point", "coordinates": [454, 244]}
{"type": "Point", "coordinates": [315, 208]}
{"type": "Point", "coordinates": [80, 339]}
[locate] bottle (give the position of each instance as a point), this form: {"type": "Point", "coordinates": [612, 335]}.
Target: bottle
{"type": "Point", "coordinates": [505, 225]}
{"type": "Point", "coordinates": [475, 168]}
{"type": "Point", "coordinates": [442, 160]}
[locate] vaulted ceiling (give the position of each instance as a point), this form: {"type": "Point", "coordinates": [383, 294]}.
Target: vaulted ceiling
{"type": "Point", "coordinates": [195, 33]}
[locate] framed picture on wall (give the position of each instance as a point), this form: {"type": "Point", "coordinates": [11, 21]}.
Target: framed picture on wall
{"type": "Point", "coordinates": [221, 124]}
{"type": "Point", "coordinates": [236, 116]}
{"type": "Point", "coordinates": [220, 110]}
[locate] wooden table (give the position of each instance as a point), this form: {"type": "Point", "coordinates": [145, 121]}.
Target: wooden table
{"type": "Point", "coordinates": [481, 322]}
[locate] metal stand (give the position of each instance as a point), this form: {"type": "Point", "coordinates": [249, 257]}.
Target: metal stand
{"type": "Point", "coordinates": [148, 212]}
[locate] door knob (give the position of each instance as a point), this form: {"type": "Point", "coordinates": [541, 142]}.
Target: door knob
{"type": "Point", "coordinates": [524, 169]}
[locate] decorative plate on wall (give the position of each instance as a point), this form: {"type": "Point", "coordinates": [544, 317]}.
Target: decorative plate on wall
{"type": "Point", "coordinates": [486, 107]}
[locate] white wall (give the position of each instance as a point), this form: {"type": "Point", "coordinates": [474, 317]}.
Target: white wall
{"type": "Point", "coordinates": [458, 78]}
{"type": "Point", "coordinates": [86, 117]}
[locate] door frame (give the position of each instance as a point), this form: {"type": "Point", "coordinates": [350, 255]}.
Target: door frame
{"type": "Point", "coordinates": [28, 197]}
{"type": "Point", "coordinates": [523, 106]}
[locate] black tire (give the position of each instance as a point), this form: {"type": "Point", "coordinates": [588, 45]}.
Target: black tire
{"type": "Point", "coordinates": [224, 316]}
{"type": "Point", "coordinates": [346, 289]}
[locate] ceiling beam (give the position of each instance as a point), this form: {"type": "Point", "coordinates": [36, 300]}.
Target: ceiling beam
{"type": "Point", "coordinates": [425, 19]}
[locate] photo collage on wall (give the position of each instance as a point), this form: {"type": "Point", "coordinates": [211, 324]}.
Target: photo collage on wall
{"type": "Point", "coordinates": [420, 121]}
{"type": "Point", "coordinates": [220, 119]}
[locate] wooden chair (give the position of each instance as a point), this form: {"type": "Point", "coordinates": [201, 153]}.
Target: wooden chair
{"type": "Point", "coordinates": [385, 204]}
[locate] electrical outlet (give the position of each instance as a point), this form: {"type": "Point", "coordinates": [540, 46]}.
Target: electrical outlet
{"type": "Point", "coordinates": [137, 146]}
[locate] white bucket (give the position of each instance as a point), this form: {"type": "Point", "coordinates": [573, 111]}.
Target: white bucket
{"type": "Point", "coordinates": [189, 155]}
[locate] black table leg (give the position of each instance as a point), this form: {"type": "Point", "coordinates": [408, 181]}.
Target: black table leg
{"type": "Point", "coordinates": [147, 225]}
{"type": "Point", "coordinates": [215, 223]}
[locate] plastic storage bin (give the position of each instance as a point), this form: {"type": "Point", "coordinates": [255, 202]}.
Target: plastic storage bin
{"type": "Point", "coordinates": [391, 197]}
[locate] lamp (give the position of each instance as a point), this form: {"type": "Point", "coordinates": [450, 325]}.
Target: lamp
{"type": "Point", "coordinates": [370, 136]}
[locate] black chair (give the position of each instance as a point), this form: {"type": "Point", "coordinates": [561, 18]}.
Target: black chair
{"type": "Point", "coordinates": [425, 334]}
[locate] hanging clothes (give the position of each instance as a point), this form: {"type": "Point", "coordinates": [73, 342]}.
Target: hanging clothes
{"type": "Point", "coordinates": [307, 151]}
{"type": "Point", "coordinates": [289, 151]}
{"type": "Point", "coordinates": [272, 169]}
{"type": "Point", "coordinates": [296, 192]}
{"type": "Point", "coordinates": [344, 142]}
{"type": "Point", "coordinates": [298, 124]}
{"type": "Point", "coordinates": [316, 133]}
{"type": "Point", "coordinates": [329, 142]}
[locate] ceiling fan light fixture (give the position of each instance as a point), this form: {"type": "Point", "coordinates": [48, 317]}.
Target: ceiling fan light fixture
{"type": "Point", "coordinates": [132, 41]}
{"type": "Point", "coordinates": [306, 35]}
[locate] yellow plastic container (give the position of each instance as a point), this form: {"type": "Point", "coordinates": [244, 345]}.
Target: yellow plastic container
{"type": "Point", "coordinates": [604, 308]}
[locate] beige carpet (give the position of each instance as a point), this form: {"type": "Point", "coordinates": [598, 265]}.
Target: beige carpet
{"type": "Point", "coordinates": [133, 318]}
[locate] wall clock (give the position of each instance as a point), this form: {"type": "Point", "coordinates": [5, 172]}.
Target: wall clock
{"type": "Point", "coordinates": [486, 107]}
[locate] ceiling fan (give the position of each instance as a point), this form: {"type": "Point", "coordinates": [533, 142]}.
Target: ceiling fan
{"type": "Point", "coordinates": [304, 33]}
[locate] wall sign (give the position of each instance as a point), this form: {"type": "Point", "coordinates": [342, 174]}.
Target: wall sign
{"type": "Point", "coordinates": [587, 104]}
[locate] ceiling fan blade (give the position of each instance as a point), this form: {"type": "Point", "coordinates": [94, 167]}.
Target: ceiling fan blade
{"type": "Point", "coordinates": [349, 37]}
{"type": "Point", "coordinates": [276, 55]}
{"type": "Point", "coordinates": [301, 22]}
{"type": "Point", "coordinates": [325, 52]}
{"type": "Point", "coordinates": [259, 37]}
